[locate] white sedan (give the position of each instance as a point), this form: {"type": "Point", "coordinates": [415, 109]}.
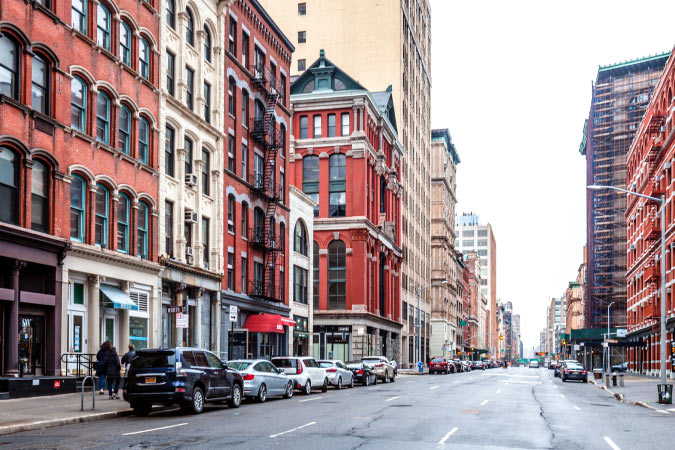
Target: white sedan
{"type": "Point", "coordinates": [337, 373]}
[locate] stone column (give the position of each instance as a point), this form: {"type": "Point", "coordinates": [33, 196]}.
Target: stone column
{"type": "Point", "coordinates": [180, 301]}
{"type": "Point", "coordinates": [13, 338]}
{"type": "Point", "coordinates": [93, 314]}
{"type": "Point", "coordinates": [123, 315]}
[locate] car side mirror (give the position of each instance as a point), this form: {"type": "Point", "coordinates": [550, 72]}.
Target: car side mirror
{"type": "Point", "coordinates": [225, 366]}
{"type": "Point", "coordinates": [280, 370]}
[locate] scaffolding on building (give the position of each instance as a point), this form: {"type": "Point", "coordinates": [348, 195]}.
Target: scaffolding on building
{"type": "Point", "coordinates": [621, 95]}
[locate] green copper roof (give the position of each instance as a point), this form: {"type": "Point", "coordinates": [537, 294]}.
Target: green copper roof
{"type": "Point", "coordinates": [444, 135]}
{"type": "Point", "coordinates": [633, 62]}
{"type": "Point", "coordinates": [584, 139]}
{"type": "Point", "coordinates": [323, 75]}
{"type": "Point", "coordinates": [650, 63]}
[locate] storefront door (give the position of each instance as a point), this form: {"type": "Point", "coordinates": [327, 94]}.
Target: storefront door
{"type": "Point", "coordinates": [109, 328]}
{"type": "Point", "coordinates": [31, 344]}
{"type": "Point", "coordinates": [76, 330]}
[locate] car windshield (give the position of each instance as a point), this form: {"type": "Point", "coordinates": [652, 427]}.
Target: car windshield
{"type": "Point", "coordinates": [371, 360]}
{"type": "Point", "coordinates": [153, 360]}
{"type": "Point", "coordinates": [325, 364]}
{"type": "Point", "coordinates": [354, 366]}
{"type": "Point", "coordinates": [437, 360]}
{"type": "Point", "coordinates": [238, 365]}
{"type": "Point", "coordinates": [574, 366]}
{"type": "Point", "coordinates": [285, 363]}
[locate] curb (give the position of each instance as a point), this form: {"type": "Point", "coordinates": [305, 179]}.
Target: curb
{"type": "Point", "coordinates": [622, 398]}
{"type": "Point", "coordinates": [29, 426]}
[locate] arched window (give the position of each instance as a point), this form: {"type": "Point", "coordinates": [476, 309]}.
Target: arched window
{"type": "Point", "coordinates": [40, 85]}
{"type": "Point", "coordinates": [123, 208]}
{"type": "Point", "coordinates": [231, 86]}
{"type": "Point", "coordinates": [190, 27]}
{"type": "Point", "coordinates": [39, 209]}
{"type": "Point", "coordinates": [78, 104]}
{"type": "Point", "coordinates": [79, 15]}
{"type": "Point", "coordinates": [310, 179]}
{"type": "Point", "coordinates": [206, 171]}
{"type": "Point", "coordinates": [125, 43]}
{"type": "Point", "coordinates": [103, 26]}
{"type": "Point", "coordinates": [102, 214]}
{"type": "Point", "coordinates": [124, 138]}
{"type": "Point", "coordinates": [103, 118]}
{"type": "Point", "coordinates": [171, 13]}
{"type": "Point", "coordinates": [144, 58]}
{"type": "Point", "coordinates": [142, 220]}
{"type": "Point", "coordinates": [337, 186]}
{"type": "Point", "coordinates": [315, 278]}
{"type": "Point", "coordinates": [143, 140]}
{"type": "Point", "coordinates": [337, 275]}
{"type": "Point", "coordinates": [187, 146]}
{"type": "Point", "coordinates": [9, 67]}
{"type": "Point", "coordinates": [78, 203]}
{"type": "Point", "coordinates": [207, 44]}
{"type": "Point", "coordinates": [9, 186]}
{"type": "Point", "coordinates": [300, 238]}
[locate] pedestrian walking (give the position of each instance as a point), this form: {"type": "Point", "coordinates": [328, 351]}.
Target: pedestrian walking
{"type": "Point", "coordinates": [126, 361]}
{"type": "Point", "coordinates": [112, 368]}
{"type": "Point", "coordinates": [100, 366]}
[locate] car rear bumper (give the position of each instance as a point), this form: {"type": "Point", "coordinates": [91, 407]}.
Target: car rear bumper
{"type": "Point", "coordinates": [157, 398]}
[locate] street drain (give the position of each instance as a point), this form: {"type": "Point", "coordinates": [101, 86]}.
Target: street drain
{"type": "Point", "coordinates": [398, 406]}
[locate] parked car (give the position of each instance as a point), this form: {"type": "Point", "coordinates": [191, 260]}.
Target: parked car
{"type": "Point", "coordinates": [441, 365]}
{"type": "Point", "coordinates": [337, 373]}
{"type": "Point", "coordinates": [477, 365]}
{"type": "Point", "coordinates": [363, 373]}
{"type": "Point", "coordinates": [262, 379]}
{"type": "Point", "coordinates": [304, 372]}
{"type": "Point", "coordinates": [623, 367]}
{"type": "Point", "coordinates": [551, 365]}
{"type": "Point", "coordinates": [459, 367]}
{"type": "Point", "coordinates": [533, 365]}
{"type": "Point", "coordinates": [558, 367]}
{"type": "Point", "coordinates": [467, 365]}
{"type": "Point", "coordinates": [573, 371]}
{"type": "Point", "coordinates": [189, 377]}
{"type": "Point", "coordinates": [383, 368]}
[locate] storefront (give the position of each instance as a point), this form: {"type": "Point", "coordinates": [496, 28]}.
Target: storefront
{"type": "Point", "coordinates": [301, 336]}
{"type": "Point", "coordinates": [348, 343]}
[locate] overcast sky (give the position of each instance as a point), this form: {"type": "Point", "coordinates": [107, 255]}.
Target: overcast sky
{"type": "Point", "coordinates": [511, 80]}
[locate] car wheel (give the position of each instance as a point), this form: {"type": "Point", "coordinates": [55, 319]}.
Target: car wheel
{"type": "Point", "coordinates": [262, 394]}
{"type": "Point", "coordinates": [197, 405]}
{"type": "Point", "coordinates": [308, 388]}
{"type": "Point", "coordinates": [339, 384]}
{"type": "Point", "coordinates": [384, 379]}
{"type": "Point", "coordinates": [366, 380]}
{"type": "Point", "coordinates": [562, 378]}
{"type": "Point", "coordinates": [235, 398]}
{"type": "Point", "coordinates": [289, 390]}
{"type": "Point", "coordinates": [351, 383]}
{"type": "Point", "coordinates": [374, 379]}
{"type": "Point", "coordinates": [324, 388]}
{"type": "Point", "coordinates": [393, 377]}
{"type": "Point", "coordinates": [141, 409]}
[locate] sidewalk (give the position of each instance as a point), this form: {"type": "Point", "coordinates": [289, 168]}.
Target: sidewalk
{"type": "Point", "coordinates": [640, 390]}
{"type": "Point", "coordinates": [24, 414]}
{"type": "Point", "coordinates": [415, 371]}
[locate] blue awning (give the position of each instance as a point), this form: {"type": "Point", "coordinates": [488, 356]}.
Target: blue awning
{"type": "Point", "coordinates": [118, 298]}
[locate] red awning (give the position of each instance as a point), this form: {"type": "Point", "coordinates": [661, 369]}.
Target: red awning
{"type": "Point", "coordinates": [267, 323]}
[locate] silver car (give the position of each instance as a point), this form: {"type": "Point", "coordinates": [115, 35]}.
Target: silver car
{"type": "Point", "coordinates": [262, 379]}
{"type": "Point", "coordinates": [304, 372]}
{"type": "Point", "coordinates": [382, 367]}
{"type": "Point", "coordinates": [337, 373]}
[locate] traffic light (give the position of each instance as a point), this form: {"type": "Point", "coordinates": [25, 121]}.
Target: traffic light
{"type": "Point", "coordinates": [501, 338]}
{"type": "Point", "coordinates": [564, 342]}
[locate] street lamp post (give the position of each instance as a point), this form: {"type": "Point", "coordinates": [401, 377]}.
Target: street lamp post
{"type": "Point", "coordinates": [662, 210]}
{"type": "Point", "coordinates": [418, 337]}
{"type": "Point", "coordinates": [607, 368]}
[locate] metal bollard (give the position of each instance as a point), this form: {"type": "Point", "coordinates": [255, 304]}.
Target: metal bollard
{"type": "Point", "coordinates": [93, 392]}
{"type": "Point", "coordinates": [614, 379]}
{"type": "Point", "coordinates": [621, 380]}
{"type": "Point", "coordinates": [607, 380]}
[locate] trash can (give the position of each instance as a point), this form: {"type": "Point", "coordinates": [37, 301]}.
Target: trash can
{"type": "Point", "coordinates": [665, 394]}
{"type": "Point", "coordinates": [597, 374]}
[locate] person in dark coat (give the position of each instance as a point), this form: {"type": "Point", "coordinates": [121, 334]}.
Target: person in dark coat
{"type": "Point", "coordinates": [100, 366]}
{"type": "Point", "coordinates": [112, 368]}
{"type": "Point", "coordinates": [126, 359]}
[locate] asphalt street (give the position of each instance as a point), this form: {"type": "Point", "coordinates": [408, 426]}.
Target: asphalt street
{"type": "Point", "coordinates": [517, 408]}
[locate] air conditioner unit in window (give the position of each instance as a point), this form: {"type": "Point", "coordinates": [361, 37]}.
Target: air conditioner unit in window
{"type": "Point", "coordinates": [191, 216]}
{"type": "Point", "coordinates": [206, 265]}
{"type": "Point", "coordinates": [663, 129]}
{"type": "Point", "coordinates": [191, 179]}
{"type": "Point", "coordinates": [188, 252]}
{"type": "Point", "coordinates": [632, 246]}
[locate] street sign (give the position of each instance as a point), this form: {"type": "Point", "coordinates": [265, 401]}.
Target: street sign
{"type": "Point", "coordinates": [605, 344]}
{"type": "Point", "coordinates": [191, 302]}
{"type": "Point", "coordinates": [621, 332]}
{"type": "Point", "coordinates": [182, 320]}
{"type": "Point", "coordinates": [612, 341]}
{"type": "Point", "coordinates": [176, 309]}
{"type": "Point", "coordinates": [577, 347]}
{"type": "Point", "coordinates": [233, 313]}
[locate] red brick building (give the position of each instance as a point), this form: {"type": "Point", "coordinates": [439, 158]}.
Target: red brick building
{"type": "Point", "coordinates": [346, 156]}
{"type": "Point", "coordinates": [650, 172]}
{"type": "Point", "coordinates": [78, 165]}
{"type": "Point", "coordinates": [258, 57]}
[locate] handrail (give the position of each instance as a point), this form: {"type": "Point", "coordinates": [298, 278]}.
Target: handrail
{"type": "Point", "coordinates": [84, 363]}
{"type": "Point", "coordinates": [93, 392]}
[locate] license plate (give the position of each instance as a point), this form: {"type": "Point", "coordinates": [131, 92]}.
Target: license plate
{"type": "Point", "coordinates": [150, 380]}
{"type": "Point", "coordinates": [575, 373]}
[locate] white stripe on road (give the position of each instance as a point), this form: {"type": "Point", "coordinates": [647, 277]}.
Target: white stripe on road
{"type": "Point", "coordinates": [562, 395]}
{"type": "Point", "coordinates": [371, 388]}
{"type": "Point", "coordinates": [447, 435]}
{"type": "Point", "coordinates": [310, 399]}
{"type": "Point", "coordinates": [577, 408]}
{"type": "Point", "coordinates": [434, 387]}
{"type": "Point", "coordinates": [555, 387]}
{"type": "Point", "coordinates": [483, 403]}
{"type": "Point", "coordinates": [292, 429]}
{"type": "Point", "coordinates": [611, 443]}
{"type": "Point", "coordinates": [455, 382]}
{"type": "Point", "coordinates": [408, 382]}
{"type": "Point", "coordinates": [498, 391]}
{"type": "Point", "coordinates": [155, 429]}
{"type": "Point", "coordinates": [393, 398]}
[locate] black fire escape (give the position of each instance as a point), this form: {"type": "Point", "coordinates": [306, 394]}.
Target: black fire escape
{"type": "Point", "coordinates": [263, 235]}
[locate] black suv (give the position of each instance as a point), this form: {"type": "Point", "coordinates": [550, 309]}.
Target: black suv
{"type": "Point", "coordinates": [185, 376]}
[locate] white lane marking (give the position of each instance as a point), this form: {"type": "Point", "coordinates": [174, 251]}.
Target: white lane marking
{"type": "Point", "coordinates": [374, 387]}
{"type": "Point", "coordinates": [310, 399]}
{"type": "Point", "coordinates": [447, 435]}
{"type": "Point", "coordinates": [408, 382]}
{"type": "Point", "coordinates": [155, 429]}
{"type": "Point", "coordinates": [292, 429]}
{"type": "Point", "coordinates": [611, 443]}
{"type": "Point", "coordinates": [555, 387]}
{"type": "Point", "coordinates": [662, 411]}
{"type": "Point", "coordinates": [562, 395]}
{"type": "Point", "coordinates": [483, 403]}
{"type": "Point", "coordinates": [519, 382]}
{"type": "Point", "coordinates": [455, 382]}
{"type": "Point", "coordinates": [672, 409]}
{"type": "Point", "coordinates": [498, 391]}
{"type": "Point", "coordinates": [434, 387]}
{"type": "Point", "coordinates": [577, 408]}
{"type": "Point", "coordinates": [393, 398]}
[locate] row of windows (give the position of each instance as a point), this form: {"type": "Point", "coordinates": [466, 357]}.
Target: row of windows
{"type": "Point", "coordinates": [188, 172]}
{"type": "Point", "coordinates": [11, 68]}
{"type": "Point", "coordinates": [337, 182]}
{"type": "Point", "coordinates": [317, 130]}
{"type": "Point", "coordinates": [190, 28]}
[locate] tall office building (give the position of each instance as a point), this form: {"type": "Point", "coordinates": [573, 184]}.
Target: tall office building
{"type": "Point", "coordinates": [347, 30]}
{"type": "Point", "coordinates": [472, 236]}
{"type": "Point", "coordinates": [620, 96]}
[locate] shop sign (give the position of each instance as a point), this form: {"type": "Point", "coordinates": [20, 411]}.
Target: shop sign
{"type": "Point", "coordinates": [177, 309]}
{"type": "Point", "coordinates": [191, 302]}
{"type": "Point", "coordinates": [343, 329]}
{"type": "Point", "coordinates": [359, 331]}
{"type": "Point", "coordinates": [577, 347]}
{"type": "Point", "coordinates": [182, 320]}
{"type": "Point", "coordinates": [57, 384]}
{"type": "Point", "coordinates": [233, 313]}
{"type": "Point", "coordinates": [621, 332]}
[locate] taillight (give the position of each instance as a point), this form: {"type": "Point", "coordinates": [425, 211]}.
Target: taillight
{"type": "Point", "coordinates": [445, 364]}
{"type": "Point", "coordinates": [248, 377]}
{"type": "Point", "coordinates": [359, 372]}
{"type": "Point", "coordinates": [331, 370]}
{"type": "Point", "coordinates": [583, 371]}
{"type": "Point", "coordinates": [180, 372]}
{"type": "Point", "coordinates": [379, 365]}
{"type": "Point", "coordinates": [299, 368]}
{"type": "Point", "coordinates": [567, 371]}
{"type": "Point", "coordinates": [180, 389]}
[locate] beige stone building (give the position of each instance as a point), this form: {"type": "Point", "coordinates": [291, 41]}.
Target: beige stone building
{"type": "Point", "coordinates": [401, 29]}
{"type": "Point", "coordinates": [446, 304]}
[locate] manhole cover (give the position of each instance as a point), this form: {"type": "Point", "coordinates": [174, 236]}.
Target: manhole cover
{"type": "Point", "coordinates": [398, 406]}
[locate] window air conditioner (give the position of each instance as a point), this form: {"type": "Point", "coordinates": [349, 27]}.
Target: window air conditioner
{"type": "Point", "coordinates": [191, 179]}
{"type": "Point", "coordinates": [191, 216]}
{"type": "Point", "coordinates": [188, 252]}
{"type": "Point", "coordinates": [206, 265]}
{"type": "Point", "coordinates": [663, 129]}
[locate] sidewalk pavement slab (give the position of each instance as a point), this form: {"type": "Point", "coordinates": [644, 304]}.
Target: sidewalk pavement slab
{"type": "Point", "coordinates": [23, 414]}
